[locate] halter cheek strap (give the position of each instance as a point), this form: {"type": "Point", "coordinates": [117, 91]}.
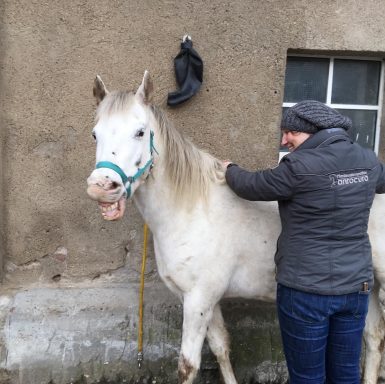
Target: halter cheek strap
{"type": "Point", "coordinates": [130, 179]}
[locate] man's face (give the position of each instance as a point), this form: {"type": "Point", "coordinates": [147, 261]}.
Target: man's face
{"type": "Point", "coordinates": [293, 139]}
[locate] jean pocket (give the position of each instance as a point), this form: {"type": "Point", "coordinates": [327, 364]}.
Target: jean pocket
{"type": "Point", "coordinates": [362, 304]}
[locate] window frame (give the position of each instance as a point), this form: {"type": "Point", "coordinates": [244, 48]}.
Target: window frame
{"type": "Point", "coordinates": [328, 102]}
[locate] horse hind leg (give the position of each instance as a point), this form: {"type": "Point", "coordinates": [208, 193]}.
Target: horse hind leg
{"type": "Point", "coordinates": [374, 334]}
{"type": "Point", "coordinates": [218, 339]}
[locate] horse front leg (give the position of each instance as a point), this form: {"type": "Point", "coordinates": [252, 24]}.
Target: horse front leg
{"type": "Point", "coordinates": [218, 339]}
{"type": "Point", "coordinates": [197, 314]}
{"type": "Point", "coordinates": [374, 339]}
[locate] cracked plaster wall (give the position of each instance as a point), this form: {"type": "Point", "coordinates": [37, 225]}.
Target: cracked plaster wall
{"type": "Point", "coordinates": [51, 234]}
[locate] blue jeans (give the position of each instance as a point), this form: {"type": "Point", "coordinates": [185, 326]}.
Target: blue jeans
{"type": "Point", "coordinates": [322, 335]}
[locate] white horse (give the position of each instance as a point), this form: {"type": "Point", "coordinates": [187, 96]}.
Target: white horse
{"type": "Point", "coordinates": [208, 242]}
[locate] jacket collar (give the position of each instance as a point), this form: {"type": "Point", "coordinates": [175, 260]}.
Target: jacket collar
{"type": "Point", "coordinates": [325, 137]}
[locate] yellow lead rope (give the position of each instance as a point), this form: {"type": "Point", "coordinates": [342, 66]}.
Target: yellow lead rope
{"type": "Point", "coordinates": [141, 293]}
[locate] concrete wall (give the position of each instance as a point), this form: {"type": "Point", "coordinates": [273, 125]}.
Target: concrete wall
{"type": "Point", "coordinates": [69, 294]}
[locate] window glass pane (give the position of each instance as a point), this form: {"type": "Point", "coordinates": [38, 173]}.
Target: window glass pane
{"type": "Point", "coordinates": [363, 130]}
{"type": "Point", "coordinates": [356, 82]}
{"type": "Point", "coordinates": [306, 79]}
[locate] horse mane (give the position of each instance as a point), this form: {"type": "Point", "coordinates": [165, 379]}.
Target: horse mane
{"type": "Point", "coordinates": [190, 170]}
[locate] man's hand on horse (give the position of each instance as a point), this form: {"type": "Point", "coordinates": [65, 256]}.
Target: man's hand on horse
{"type": "Point", "coordinates": [226, 163]}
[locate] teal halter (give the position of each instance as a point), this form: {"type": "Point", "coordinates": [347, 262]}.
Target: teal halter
{"type": "Point", "coordinates": [130, 179]}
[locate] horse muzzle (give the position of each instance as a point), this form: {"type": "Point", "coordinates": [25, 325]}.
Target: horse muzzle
{"type": "Point", "coordinates": [110, 195]}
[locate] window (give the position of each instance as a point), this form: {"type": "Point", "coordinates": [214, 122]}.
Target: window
{"type": "Point", "coordinates": [352, 86]}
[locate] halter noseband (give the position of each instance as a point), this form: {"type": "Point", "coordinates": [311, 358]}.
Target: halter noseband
{"type": "Point", "coordinates": [130, 179]}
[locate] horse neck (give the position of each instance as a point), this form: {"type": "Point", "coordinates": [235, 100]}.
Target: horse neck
{"type": "Point", "coordinates": [152, 198]}
{"type": "Point", "coordinates": [163, 196]}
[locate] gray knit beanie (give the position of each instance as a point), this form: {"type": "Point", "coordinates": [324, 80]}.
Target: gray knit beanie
{"type": "Point", "coordinates": [311, 116]}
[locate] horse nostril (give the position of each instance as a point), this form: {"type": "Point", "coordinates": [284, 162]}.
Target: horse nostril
{"type": "Point", "coordinates": [114, 185]}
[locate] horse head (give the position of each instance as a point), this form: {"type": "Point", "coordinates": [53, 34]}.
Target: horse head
{"type": "Point", "coordinates": [124, 146]}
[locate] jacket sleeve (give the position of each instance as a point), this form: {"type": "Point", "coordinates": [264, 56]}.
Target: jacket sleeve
{"type": "Point", "coordinates": [268, 185]}
{"type": "Point", "coordinates": [380, 188]}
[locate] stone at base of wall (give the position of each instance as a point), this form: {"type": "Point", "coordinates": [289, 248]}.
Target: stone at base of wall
{"type": "Point", "coordinates": [89, 335]}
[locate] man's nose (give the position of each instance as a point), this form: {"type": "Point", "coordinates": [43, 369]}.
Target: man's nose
{"type": "Point", "coordinates": [284, 139]}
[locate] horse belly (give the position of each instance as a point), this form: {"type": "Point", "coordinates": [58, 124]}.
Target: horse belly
{"type": "Point", "coordinates": [253, 282]}
{"type": "Point", "coordinates": [257, 227]}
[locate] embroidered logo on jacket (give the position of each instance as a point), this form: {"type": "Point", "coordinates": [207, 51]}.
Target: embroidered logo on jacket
{"type": "Point", "coordinates": [349, 178]}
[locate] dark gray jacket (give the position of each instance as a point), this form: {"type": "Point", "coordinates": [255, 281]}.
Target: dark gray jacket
{"type": "Point", "coordinates": [325, 190]}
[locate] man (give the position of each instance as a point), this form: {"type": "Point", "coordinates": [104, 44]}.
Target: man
{"type": "Point", "coordinates": [325, 188]}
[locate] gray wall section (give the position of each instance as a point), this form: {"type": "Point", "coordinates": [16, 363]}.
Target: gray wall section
{"type": "Point", "coordinates": [3, 140]}
{"type": "Point", "coordinates": [56, 245]}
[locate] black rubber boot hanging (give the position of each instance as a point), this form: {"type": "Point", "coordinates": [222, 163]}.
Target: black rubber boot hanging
{"type": "Point", "coordinates": [188, 72]}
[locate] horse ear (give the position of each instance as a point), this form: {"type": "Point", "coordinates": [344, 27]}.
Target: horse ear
{"type": "Point", "coordinates": [145, 90]}
{"type": "Point", "coordinates": [100, 90]}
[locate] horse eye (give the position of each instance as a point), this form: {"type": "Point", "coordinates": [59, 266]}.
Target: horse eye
{"type": "Point", "coordinates": [140, 133]}
{"type": "Point", "coordinates": [93, 135]}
